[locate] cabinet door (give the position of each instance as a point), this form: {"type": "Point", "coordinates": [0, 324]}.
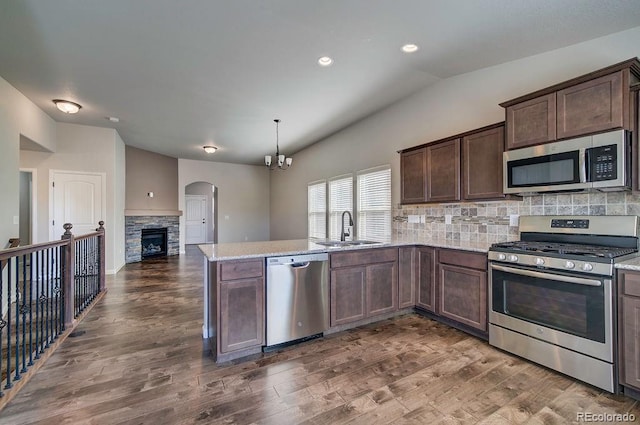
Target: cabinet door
{"type": "Point", "coordinates": [463, 295]}
{"type": "Point", "coordinates": [443, 171]}
{"type": "Point", "coordinates": [592, 106]}
{"type": "Point", "coordinates": [413, 176]}
{"type": "Point", "coordinates": [426, 279]}
{"type": "Point", "coordinates": [631, 341]}
{"type": "Point", "coordinates": [531, 122]}
{"type": "Point", "coordinates": [482, 164]}
{"type": "Point", "coordinates": [382, 288]}
{"type": "Point", "coordinates": [407, 268]}
{"type": "Point", "coordinates": [347, 295]}
{"type": "Point", "coordinates": [241, 314]}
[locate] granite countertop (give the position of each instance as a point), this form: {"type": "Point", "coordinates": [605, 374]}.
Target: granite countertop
{"type": "Point", "coordinates": [630, 264]}
{"type": "Point", "coordinates": [243, 250]}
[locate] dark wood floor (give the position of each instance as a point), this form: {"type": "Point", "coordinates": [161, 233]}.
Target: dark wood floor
{"type": "Point", "coordinates": [138, 359]}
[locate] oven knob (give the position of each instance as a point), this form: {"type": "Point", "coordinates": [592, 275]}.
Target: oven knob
{"type": "Point", "coordinates": [587, 267]}
{"type": "Point", "coordinates": [569, 265]}
{"type": "Point", "coordinates": [513, 258]}
{"type": "Point", "coordinates": [501, 257]}
{"type": "Point", "coordinates": [539, 261]}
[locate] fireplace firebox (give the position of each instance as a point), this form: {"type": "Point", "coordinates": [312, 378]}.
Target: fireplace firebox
{"type": "Point", "coordinates": [154, 242]}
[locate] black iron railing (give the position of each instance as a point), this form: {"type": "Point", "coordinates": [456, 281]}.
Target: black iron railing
{"type": "Point", "coordinates": [43, 290]}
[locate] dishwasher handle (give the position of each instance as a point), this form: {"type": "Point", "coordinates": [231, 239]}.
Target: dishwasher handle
{"type": "Point", "coordinates": [300, 265]}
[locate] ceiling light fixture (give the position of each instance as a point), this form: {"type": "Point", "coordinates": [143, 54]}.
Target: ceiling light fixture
{"type": "Point", "coordinates": [210, 149]}
{"type": "Point", "coordinates": [325, 61]}
{"type": "Point", "coordinates": [410, 48]}
{"type": "Point", "coordinates": [67, 106]}
{"type": "Point", "coordinates": [282, 162]}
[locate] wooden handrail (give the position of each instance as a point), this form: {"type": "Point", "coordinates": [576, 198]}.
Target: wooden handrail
{"type": "Point", "coordinates": [28, 249]}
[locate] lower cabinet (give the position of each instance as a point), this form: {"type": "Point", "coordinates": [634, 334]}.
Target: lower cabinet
{"type": "Point", "coordinates": [426, 279]}
{"type": "Point", "coordinates": [364, 283]}
{"type": "Point", "coordinates": [629, 289]}
{"type": "Point", "coordinates": [407, 274]}
{"type": "Point", "coordinates": [462, 287]}
{"type": "Point", "coordinates": [237, 308]}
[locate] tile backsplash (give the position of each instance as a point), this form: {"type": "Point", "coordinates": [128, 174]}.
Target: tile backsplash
{"type": "Point", "coordinates": [490, 221]}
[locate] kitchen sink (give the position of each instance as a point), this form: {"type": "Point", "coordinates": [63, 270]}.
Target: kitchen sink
{"type": "Point", "coordinates": [337, 244]}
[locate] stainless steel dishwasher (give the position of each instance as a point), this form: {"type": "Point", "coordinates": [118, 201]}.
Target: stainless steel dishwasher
{"type": "Point", "coordinates": [297, 297]}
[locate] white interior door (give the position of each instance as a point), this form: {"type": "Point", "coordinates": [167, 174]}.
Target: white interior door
{"type": "Point", "coordinates": [195, 218]}
{"type": "Point", "coordinates": [79, 199]}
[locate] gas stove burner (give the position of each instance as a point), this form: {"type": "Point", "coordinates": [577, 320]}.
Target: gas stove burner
{"type": "Point", "coordinates": [565, 249]}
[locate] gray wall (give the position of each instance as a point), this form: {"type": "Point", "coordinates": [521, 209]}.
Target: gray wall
{"type": "Point", "coordinates": [445, 108]}
{"type": "Point", "coordinates": [151, 172]}
{"type": "Point", "coordinates": [243, 198]}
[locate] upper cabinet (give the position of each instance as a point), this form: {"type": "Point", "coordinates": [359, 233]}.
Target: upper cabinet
{"type": "Point", "coordinates": [467, 166]}
{"type": "Point", "coordinates": [589, 104]}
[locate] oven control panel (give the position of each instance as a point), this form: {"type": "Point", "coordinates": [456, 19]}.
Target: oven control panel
{"type": "Point", "coordinates": [535, 261]}
{"type": "Point", "coordinates": [570, 224]}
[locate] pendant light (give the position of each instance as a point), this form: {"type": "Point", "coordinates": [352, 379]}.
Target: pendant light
{"type": "Point", "coordinates": [281, 161]}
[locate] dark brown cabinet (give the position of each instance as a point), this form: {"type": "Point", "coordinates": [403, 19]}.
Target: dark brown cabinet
{"type": "Point", "coordinates": [588, 104]}
{"type": "Point", "coordinates": [407, 272]}
{"type": "Point", "coordinates": [236, 309]}
{"type": "Point", "coordinates": [629, 322]}
{"type": "Point", "coordinates": [413, 170]}
{"type": "Point", "coordinates": [482, 164]}
{"type": "Point", "coordinates": [443, 171]}
{"type": "Point", "coordinates": [463, 167]}
{"type": "Point", "coordinates": [462, 287]}
{"type": "Point", "coordinates": [426, 279]}
{"type": "Point", "coordinates": [363, 283]}
{"type": "Point", "coordinates": [531, 122]}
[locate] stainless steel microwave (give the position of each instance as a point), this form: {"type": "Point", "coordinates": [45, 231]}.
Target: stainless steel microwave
{"type": "Point", "coordinates": [597, 162]}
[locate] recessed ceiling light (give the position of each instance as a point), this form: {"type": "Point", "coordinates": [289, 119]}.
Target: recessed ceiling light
{"type": "Point", "coordinates": [210, 149]}
{"type": "Point", "coordinates": [325, 61]}
{"type": "Point", "coordinates": [67, 106]}
{"type": "Point", "coordinates": [410, 48]}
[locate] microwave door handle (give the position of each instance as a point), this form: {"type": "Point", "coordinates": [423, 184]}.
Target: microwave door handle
{"type": "Point", "coordinates": [541, 275]}
{"type": "Point", "coordinates": [585, 171]}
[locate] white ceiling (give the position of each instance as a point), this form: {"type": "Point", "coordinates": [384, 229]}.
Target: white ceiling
{"type": "Point", "coordinates": [181, 74]}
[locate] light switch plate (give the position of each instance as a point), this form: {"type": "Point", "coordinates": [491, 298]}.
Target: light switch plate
{"type": "Point", "coordinates": [447, 218]}
{"type": "Point", "coordinates": [16, 219]}
{"type": "Point", "coordinates": [411, 218]}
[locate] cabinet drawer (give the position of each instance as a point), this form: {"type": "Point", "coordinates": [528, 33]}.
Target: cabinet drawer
{"type": "Point", "coordinates": [368, 256]}
{"type": "Point", "coordinates": [630, 283]}
{"type": "Point", "coordinates": [231, 270]}
{"type": "Point", "coordinates": [473, 260]}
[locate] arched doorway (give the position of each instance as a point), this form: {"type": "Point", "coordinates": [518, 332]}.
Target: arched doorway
{"type": "Point", "coordinates": [201, 213]}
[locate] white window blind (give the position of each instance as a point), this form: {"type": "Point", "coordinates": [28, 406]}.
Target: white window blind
{"type": "Point", "coordinates": [340, 200]}
{"type": "Point", "coordinates": [317, 209]}
{"type": "Point", "coordinates": [374, 204]}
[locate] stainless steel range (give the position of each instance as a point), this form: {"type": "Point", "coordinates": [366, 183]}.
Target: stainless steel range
{"type": "Point", "coordinates": [552, 293]}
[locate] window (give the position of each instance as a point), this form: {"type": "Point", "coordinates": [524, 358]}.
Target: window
{"type": "Point", "coordinates": [374, 204]}
{"type": "Point", "coordinates": [340, 200]}
{"type": "Point", "coordinates": [373, 209]}
{"type": "Point", "coordinates": [317, 209]}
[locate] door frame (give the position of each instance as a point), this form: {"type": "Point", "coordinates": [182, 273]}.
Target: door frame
{"type": "Point", "coordinates": [34, 203]}
{"type": "Point", "coordinates": [52, 174]}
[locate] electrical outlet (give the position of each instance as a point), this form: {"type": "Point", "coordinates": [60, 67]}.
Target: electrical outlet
{"type": "Point", "coordinates": [423, 219]}
{"type": "Point", "coordinates": [447, 218]}
{"type": "Point", "coordinates": [513, 220]}
{"type": "Point", "coordinates": [413, 218]}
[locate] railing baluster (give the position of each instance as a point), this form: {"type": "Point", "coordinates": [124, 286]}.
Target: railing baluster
{"type": "Point", "coordinates": [31, 345]}
{"type": "Point", "coordinates": [23, 313]}
{"type": "Point", "coordinates": [9, 273]}
{"type": "Point", "coordinates": [38, 309]}
{"type": "Point", "coordinates": [17, 351]}
{"type": "Point", "coordinates": [2, 321]}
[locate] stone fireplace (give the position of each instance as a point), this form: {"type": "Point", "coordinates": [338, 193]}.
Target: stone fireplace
{"type": "Point", "coordinates": [155, 229]}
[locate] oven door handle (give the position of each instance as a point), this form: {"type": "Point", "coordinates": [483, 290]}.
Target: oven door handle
{"type": "Point", "coordinates": [561, 278]}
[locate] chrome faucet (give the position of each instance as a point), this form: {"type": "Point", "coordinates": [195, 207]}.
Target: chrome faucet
{"type": "Point", "coordinates": [344, 234]}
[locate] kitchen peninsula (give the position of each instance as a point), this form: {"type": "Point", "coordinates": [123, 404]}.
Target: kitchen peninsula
{"type": "Point", "coordinates": [368, 282]}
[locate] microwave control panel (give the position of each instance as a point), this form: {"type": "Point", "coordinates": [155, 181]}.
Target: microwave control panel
{"type": "Point", "coordinates": [603, 163]}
